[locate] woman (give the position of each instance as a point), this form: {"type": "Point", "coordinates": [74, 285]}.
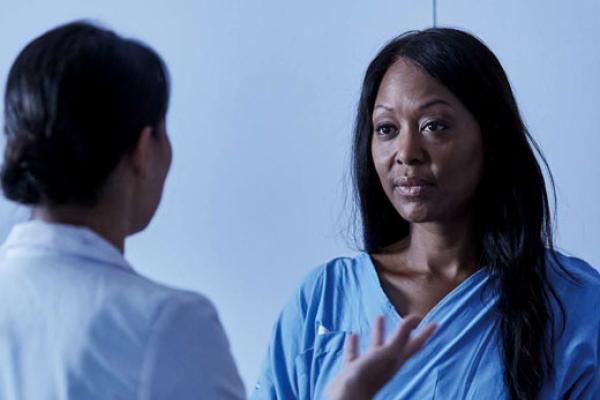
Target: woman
{"type": "Point", "coordinates": [456, 229]}
{"type": "Point", "coordinates": [87, 148]}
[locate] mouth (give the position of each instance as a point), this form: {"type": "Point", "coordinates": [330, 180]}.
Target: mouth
{"type": "Point", "coordinates": [412, 187]}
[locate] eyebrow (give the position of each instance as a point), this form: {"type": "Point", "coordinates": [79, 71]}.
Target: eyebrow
{"type": "Point", "coordinates": [434, 103]}
{"type": "Point", "coordinates": [422, 107]}
{"type": "Point", "coordinates": [386, 108]}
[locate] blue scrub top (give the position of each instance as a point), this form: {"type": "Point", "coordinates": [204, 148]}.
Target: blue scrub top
{"type": "Point", "coordinates": [462, 360]}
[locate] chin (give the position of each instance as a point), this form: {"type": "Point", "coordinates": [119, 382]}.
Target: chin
{"type": "Point", "coordinates": [415, 213]}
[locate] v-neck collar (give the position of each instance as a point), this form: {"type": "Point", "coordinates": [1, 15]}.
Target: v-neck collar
{"type": "Point", "coordinates": [382, 304]}
{"type": "Point", "coordinates": [65, 240]}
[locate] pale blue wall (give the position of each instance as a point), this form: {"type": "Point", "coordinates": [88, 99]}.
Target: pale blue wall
{"type": "Point", "coordinates": [262, 108]}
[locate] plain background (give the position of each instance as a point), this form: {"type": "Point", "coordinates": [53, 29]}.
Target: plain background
{"type": "Point", "coordinates": [262, 108]}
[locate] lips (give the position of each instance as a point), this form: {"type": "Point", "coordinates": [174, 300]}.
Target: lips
{"type": "Point", "coordinates": [412, 186]}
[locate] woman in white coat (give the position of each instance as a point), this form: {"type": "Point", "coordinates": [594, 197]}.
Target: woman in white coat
{"type": "Point", "coordinates": [87, 148]}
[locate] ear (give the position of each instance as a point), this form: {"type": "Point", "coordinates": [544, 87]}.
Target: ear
{"type": "Point", "coordinates": [142, 155]}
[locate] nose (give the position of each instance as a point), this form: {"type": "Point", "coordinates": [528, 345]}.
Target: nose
{"type": "Point", "coordinates": [409, 150]}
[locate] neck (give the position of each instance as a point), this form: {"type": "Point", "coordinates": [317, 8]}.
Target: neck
{"type": "Point", "coordinates": [101, 219]}
{"type": "Point", "coordinates": [448, 249]}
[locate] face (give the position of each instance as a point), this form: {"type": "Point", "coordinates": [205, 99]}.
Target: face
{"type": "Point", "coordinates": [426, 146]}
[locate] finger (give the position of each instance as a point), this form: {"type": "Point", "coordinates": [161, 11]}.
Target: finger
{"type": "Point", "coordinates": [351, 348]}
{"type": "Point", "coordinates": [400, 337]}
{"type": "Point", "coordinates": [419, 339]}
{"type": "Point", "coordinates": [378, 332]}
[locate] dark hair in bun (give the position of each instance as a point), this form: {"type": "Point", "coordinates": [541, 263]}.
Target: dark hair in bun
{"type": "Point", "coordinates": [77, 99]}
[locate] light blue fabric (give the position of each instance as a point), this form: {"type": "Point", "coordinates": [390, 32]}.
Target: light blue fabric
{"type": "Point", "coordinates": [461, 361]}
{"type": "Point", "coordinates": [77, 322]}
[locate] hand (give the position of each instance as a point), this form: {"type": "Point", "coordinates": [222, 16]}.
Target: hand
{"type": "Point", "coordinates": [362, 377]}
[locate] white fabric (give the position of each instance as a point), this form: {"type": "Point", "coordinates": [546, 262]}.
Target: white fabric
{"type": "Point", "coordinates": [77, 322]}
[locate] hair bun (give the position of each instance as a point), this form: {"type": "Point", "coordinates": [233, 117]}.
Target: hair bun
{"type": "Point", "coordinates": [18, 182]}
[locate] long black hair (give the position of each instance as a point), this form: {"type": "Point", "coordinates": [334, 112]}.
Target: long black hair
{"type": "Point", "coordinates": [512, 213]}
{"type": "Point", "coordinates": [77, 98]}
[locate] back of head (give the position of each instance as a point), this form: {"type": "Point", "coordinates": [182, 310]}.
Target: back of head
{"type": "Point", "coordinates": [76, 100]}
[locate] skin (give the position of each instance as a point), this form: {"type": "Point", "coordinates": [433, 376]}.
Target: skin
{"type": "Point", "coordinates": [422, 130]}
{"type": "Point", "coordinates": [129, 198]}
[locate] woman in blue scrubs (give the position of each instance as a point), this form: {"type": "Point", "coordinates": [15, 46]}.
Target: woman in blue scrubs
{"type": "Point", "coordinates": [456, 229]}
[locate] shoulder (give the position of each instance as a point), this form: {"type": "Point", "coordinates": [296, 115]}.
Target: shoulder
{"type": "Point", "coordinates": [147, 304]}
{"type": "Point", "coordinates": [187, 308]}
{"type": "Point", "coordinates": [322, 288]}
{"type": "Point", "coordinates": [155, 310]}
{"type": "Point", "coordinates": [572, 276]}
{"type": "Point", "coordinates": [577, 285]}
{"type": "Point", "coordinates": [166, 303]}
{"type": "Point", "coordinates": [338, 274]}
{"type": "Point", "coordinates": [181, 319]}
{"type": "Point", "coordinates": [188, 317]}
{"type": "Point", "coordinates": [329, 292]}
{"type": "Point", "coordinates": [577, 350]}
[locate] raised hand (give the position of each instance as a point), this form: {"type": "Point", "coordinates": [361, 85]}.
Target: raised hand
{"type": "Point", "coordinates": [363, 376]}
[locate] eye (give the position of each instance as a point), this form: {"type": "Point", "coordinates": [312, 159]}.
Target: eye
{"type": "Point", "coordinates": [434, 126]}
{"type": "Point", "coordinates": [385, 129]}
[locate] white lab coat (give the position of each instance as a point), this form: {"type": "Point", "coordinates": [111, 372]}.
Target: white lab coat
{"type": "Point", "coordinates": [77, 322]}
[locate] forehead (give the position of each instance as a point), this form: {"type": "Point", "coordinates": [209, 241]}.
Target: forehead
{"type": "Point", "coordinates": [407, 85]}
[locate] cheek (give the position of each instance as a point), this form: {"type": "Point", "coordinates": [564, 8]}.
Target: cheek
{"type": "Point", "coordinates": [383, 153]}
{"type": "Point", "coordinates": [170, 157]}
{"type": "Point", "coordinates": [381, 160]}
{"type": "Point", "coordinates": [167, 156]}
{"type": "Point", "coordinates": [460, 172]}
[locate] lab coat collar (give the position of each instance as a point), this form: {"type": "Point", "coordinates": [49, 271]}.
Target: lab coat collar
{"type": "Point", "coordinates": [64, 239]}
